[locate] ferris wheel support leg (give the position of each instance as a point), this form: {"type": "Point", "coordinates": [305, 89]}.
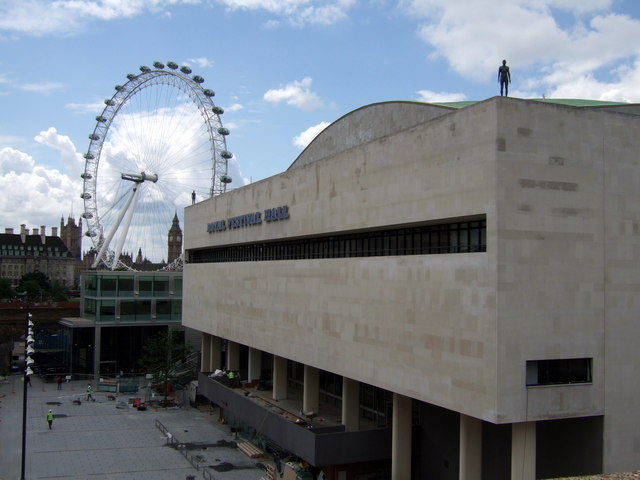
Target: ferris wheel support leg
{"type": "Point", "coordinates": [127, 222]}
{"type": "Point", "coordinates": [112, 231]}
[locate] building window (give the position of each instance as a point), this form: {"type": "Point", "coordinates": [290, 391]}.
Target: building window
{"type": "Point", "coordinates": [145, 286]}
{"type": "Point", "coordinates": [126, 286]}
{"type": "Point", "coordinates": [558, 372]}
{"type": "Point", "coordinates": [449, 237]}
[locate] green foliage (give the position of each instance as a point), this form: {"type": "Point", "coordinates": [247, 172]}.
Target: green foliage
{"type": "Point", "coordinates": [58, 292]}
{"type": "Point", "coordinates": [37, 286]}
{"type": "Point", "coordinates": [31, 288]}
{"type": "Point", "coordinates": [6, 291]}
{"type": "Point", "coordinates": [40, 278]}
{"type": "Point", "coordinates": [163, 357]}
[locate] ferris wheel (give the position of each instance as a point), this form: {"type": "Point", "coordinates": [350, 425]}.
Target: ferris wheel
{"type": "Point", "coordinates": [158, 146]}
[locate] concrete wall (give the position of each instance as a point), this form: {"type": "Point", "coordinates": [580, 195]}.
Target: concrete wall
{"type": "Point", "coordinates": [423, 326]}
{"type": "Point", "coordinates": [621, 291]}
{"type": "Point", "coordinates": [559, 188]}
{"type": "Point", "coordinates": [550, 254]}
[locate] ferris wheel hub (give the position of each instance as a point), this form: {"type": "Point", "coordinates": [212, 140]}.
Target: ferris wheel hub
{"type": "Point", "coordinates": [140, 177]}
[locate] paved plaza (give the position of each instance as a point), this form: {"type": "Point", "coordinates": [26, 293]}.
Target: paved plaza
{"type": "Point", "coordinates": [97, 440]}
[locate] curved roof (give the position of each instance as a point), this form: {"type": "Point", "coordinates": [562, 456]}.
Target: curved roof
{"type": "Point", "coordinates": [366, 124]}
{"type": "Point", "coordinates": [378, 120]}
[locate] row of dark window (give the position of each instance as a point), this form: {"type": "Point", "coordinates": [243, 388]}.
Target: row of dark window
{"type": "Point", "coordinates": [558, 371]}
{"type": "Point", "coordinates": [451, 237]}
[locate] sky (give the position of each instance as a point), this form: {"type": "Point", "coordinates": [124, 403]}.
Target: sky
{"type": "Point", "coordinates": [282, 70]}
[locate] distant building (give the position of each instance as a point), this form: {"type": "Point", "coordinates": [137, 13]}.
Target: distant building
{"type": "Point", "coordinates": [140, 262]}
{"type": "Point", "coordinates": [175, 240]}
{"type": "Point", "coordinates": [26, 252]}
{"type": "Point", "coordinates": [71, 235]}
{"type": "Point", "coordinates": [120, 311]}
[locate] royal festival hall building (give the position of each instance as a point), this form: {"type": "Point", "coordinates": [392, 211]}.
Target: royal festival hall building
{"type": "Point", "coordinates": [453, 290]}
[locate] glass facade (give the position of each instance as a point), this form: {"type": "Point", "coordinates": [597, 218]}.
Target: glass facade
{"type": "Point", "coordinates": [132, 297]}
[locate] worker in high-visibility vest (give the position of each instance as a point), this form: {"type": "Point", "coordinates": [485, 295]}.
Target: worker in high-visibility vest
{"type": "Point", "coordinates": [231, 376]}
{"type": "Point", "coordinates": [50, 418]}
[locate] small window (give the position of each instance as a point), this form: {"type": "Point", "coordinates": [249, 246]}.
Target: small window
{"type": "Point", "coordinates": [558, 372]}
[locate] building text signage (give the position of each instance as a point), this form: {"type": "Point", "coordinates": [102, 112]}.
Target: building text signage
{"type": "Point", "coordinates": [249, 219]}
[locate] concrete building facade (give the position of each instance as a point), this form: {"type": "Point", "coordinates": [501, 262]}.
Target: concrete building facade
{"type": "Point", "coordinates": [477, 264]}
{"type": "Point", "coordinates": [33, 250]}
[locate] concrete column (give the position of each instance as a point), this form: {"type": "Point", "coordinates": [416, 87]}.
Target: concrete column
{"type": "Point", "coordinates": [523, 451]}
{"type": "Point", "coordinates": [233, 355]}
{"type": "Point", "coordinates": [279, 378]}
{"type": "Point", "coordinates": [205, 353]}
{"type": "Point", "coordinates": [311, 390]}
{"type": "Point", "coordinates": [215, 353]}
{"type": "Point", "coordinates": [470, 448]}
{"type": "Point", "coordinates": [255, 364]}
{"type": "Point", "coordinates": [96, 352]}
{"type": "Point", "coordinates": [350, 404]}
{"type": "Point", "coordinates": [401, 438]}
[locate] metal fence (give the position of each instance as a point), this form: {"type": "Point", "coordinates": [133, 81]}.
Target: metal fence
{"type": "Point", "coordinates": [180, 447]}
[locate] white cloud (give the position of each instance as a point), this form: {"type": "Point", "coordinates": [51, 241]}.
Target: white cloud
{"type": "Point", "coordinates": [297, 94]}
{"type": "Point", "coordinates": [69, 17]}
{"type": "Point", "coordinates": [546, 51]}
{"type": "Point", "coordinates": [68, 154]}
{"type": "Point", "coordinates": [201, 62]}
{"type": "Point", "coordinates": [44, 88]}
{"type": "Point", "coordinates": [96, 108]}
{"type": "Point", "coordinates": [439, 97]}
{"type": "Point", "coordinates": [297, 12]}
{"type": "Point", "coordinates": [32, 194]}
{"type": "Point", "coordinates": [233, 108]}
{"type": "Point", "coordinates": [305, 138]}
{"type": "Point", "coordinates": [15, 161]}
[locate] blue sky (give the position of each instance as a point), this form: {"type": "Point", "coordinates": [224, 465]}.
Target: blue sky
{"type": "Point", "coordinates": [282, 69]}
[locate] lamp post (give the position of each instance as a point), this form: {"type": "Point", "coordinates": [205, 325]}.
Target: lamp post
{"type": "Point", "coordinates": [29, 340]}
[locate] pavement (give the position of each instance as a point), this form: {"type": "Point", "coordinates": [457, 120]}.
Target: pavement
{"type": "Point", "coordinates": [98, 441]}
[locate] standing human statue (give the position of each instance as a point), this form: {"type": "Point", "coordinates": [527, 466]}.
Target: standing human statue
{"type": "Point", "coordinates": [193, 197]}
{"type": "Point", "coordinates": [504, 78]}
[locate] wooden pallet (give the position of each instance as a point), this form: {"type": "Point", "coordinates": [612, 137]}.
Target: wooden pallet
{"type": "Point", "coordinates": [250, 450]}
{"type": "Point", "coordinates": [270, 474]}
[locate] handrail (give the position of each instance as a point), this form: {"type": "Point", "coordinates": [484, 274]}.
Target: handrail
{"type": "Point", "coordinates": [172, 440]}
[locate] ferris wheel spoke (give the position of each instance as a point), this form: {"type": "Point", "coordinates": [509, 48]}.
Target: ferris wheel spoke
{"type": "Point", "coordinates": [160, 124]}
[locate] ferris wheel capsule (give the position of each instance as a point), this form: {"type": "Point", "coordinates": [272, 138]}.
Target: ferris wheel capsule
{"type": "Point", "coordinates": [158, 65]}
{"type": "Point", "coordinates": [172, 65]}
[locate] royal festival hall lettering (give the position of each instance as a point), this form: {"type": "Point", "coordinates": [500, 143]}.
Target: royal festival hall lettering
{"type": "Point", "coordinates": [249, 219]}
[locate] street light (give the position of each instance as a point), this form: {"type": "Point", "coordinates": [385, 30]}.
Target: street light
{"type": "Point", "coordinates": [29, 341]}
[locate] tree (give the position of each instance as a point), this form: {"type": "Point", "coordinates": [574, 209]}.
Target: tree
{"type": "Point", "coordinates": [35, 284]}
{"type": "Point", "coordinates": [164, 355]}
{"type": "Point", "coordinates": [59, 292]}
{"type": "Point", "coordinates": [6, 291]}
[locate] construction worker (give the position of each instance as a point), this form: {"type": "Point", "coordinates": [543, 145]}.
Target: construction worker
{"type": "Point", "coordinates": [231, 376]}
{"type": "Point", "coordinates": [89, 392]}
{"type": "Point", "coordinates": [50, 418]}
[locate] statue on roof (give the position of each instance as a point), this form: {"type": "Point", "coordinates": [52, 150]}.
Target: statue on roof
{"type": "Point", "coordinates": [504, 78]}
